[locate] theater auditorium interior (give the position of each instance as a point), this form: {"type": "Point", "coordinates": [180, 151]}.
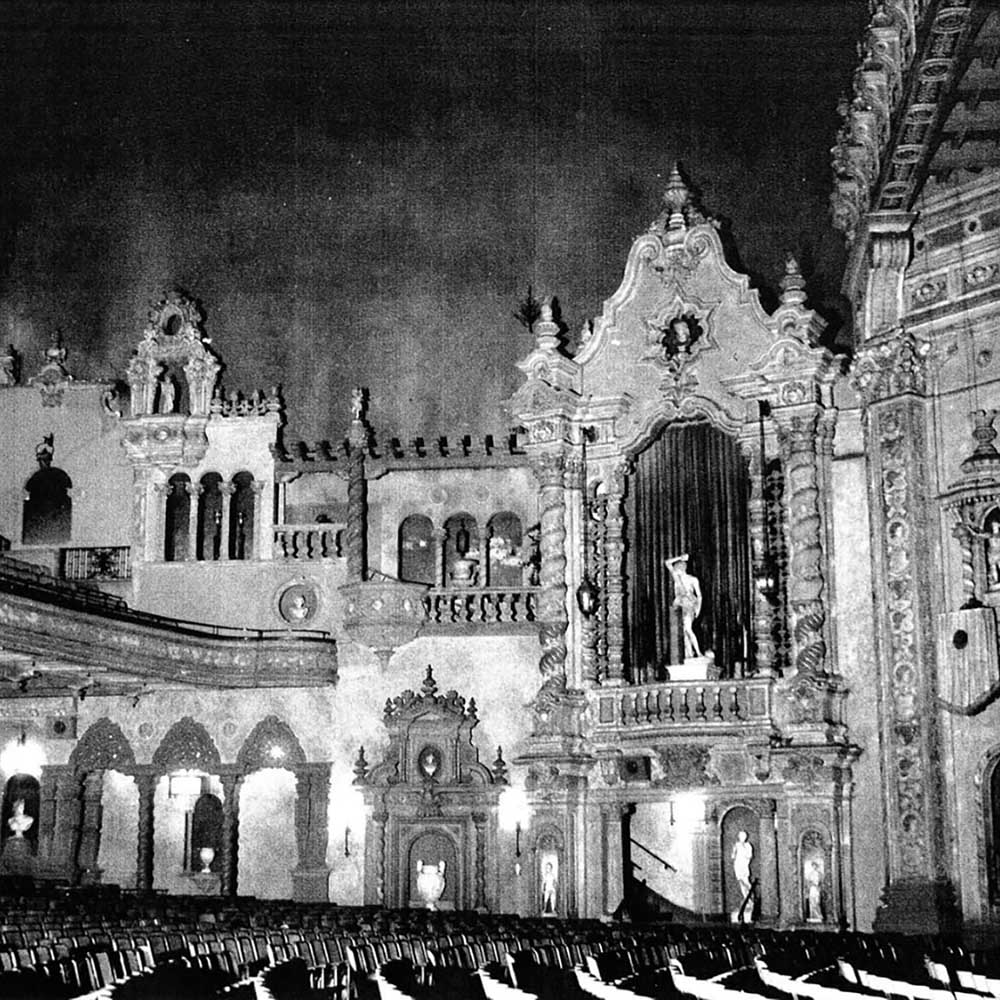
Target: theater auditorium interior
{"type": "Point", "coordinates": [500, 500]}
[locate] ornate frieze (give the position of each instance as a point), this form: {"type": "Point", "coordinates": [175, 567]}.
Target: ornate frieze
{"type": "Point", "coordinates": [891, 365]}
{"type": "Point", "coordinates": [53, 378]}
{"type": "Point", "coordinates": [682, 765]}
{"type": "Point", "coordinates": [102, 747]}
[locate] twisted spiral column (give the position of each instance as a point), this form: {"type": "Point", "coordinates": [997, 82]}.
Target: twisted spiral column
{"type": "Point", "coordinates": [805, 530]}
{"type": "Point", "coordinates": [355, 531]}
{"type": "Point", "coordinates": [614, 554]}
{"type": "Point", "coordinates": [146, 783]}
{"type": "Point", "coordinates": [229, 865]}
{"type": "Point", "coordinates": [550, 469]}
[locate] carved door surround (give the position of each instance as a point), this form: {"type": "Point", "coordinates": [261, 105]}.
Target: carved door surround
{"type": "Point", "coordinates": [430, 793]}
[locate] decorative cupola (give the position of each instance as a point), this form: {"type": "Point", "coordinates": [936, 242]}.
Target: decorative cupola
{"type": "Point", "coordinates": [172, 376]}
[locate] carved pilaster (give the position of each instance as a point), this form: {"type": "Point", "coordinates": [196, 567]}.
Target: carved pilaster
{"type": "Point", "coordinates": [146, 783]}
{"type": "Point", "coordinates": [90, 828]}
{"type": "Point", "coordinates": [311, 832]}
{"type": "Point", "coordinates": [763, 609]}
{"type": "Point", "coordinates": [806, 581]}
{"type": "Point", "coordinates": [552, 616]}
{"type": "Point", "coordinates": [479, 882]}
{"type": "Point", "coordinates": [614, 555]}
{"type": "Point", "coordinates": [229, 863]}
{"type": "Point", "coordinates": [156, 521]}
{"type": "Point", "coordinates": [59, 820]}
{"type": "Point", "coordinates": [140, 503]}
{"type": "Point", "coordinates": [891, 376]}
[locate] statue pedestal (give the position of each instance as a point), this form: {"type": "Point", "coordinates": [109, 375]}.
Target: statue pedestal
{"type": "Point", "coordinates": [311, 885]}
{"type": "Point", "coordinates": [695, 668]}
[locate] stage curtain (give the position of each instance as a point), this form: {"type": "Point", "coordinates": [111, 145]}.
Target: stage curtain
{"type": "Point", "coordinates": [688, 493]}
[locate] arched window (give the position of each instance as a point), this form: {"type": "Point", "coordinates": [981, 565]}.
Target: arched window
{"type": "Point", "coordinates": [241, 517]}
{"type": "Point", "coordinates": [19, 818]}
{"type": "Point", "coordinates": [461, 547]}
{"type": "Point", "coordinates": [416, 550]}
{"type": "Point", "coordinates": [504, 541]}
{"type": "Point", "coordinates": [48, 508]}
{"type": "Point", "coordinates": [210, 517]}
{"type": "Point", "coordinates": [206, 833]}
{"type": "Point", "coordinates": [991, 804]}
{"type": "Point", "coordinates": [178, 519]}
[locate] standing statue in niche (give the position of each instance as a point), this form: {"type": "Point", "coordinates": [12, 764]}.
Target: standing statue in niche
{"type": "Point", "coordinates": [993, 556]}
{"type": "Point", "coordinates": [19, 823]}
{"type": "Point", "coordinates": [687, 597]}
{"type": "Point", "coordinates": [550, 884]}
{"type": "Point", "coordinates": [742, 855]}
{"type": "Point", "coordinates": [16, 858]}
{"type": "Point", "coordinates": [813, 875]}
{"type": "Point", "coordinates": [167, 392]}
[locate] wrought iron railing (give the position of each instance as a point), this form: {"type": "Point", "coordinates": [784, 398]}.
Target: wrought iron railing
{"type": "Point", "coordinates": [98, 563]}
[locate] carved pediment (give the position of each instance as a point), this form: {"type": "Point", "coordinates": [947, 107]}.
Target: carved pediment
{"type": "Point", "coordinates": [430, 741]}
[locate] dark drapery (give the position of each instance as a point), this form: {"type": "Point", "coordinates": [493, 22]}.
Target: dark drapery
{"type": "Point", "coordinates": [688, 493]}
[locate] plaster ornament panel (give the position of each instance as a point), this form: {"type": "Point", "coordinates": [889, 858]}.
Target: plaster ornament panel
{"type": "Point", "coordinates": [297, 604]}
{"type": "Point", "coordinates": [805, 770]}
{"type": "Point", "coordinates": [52, 378]}
{"type": "Point", "coordinates": [187, 745]}
{"type": "Point", "coordinates": [891, 365]}
{"type": "Point", "coordinates": [102, 747]}
{"type": "Point", "coordinates": [684, 765]}
{"type": "Point", "coordinates": [271, 743]}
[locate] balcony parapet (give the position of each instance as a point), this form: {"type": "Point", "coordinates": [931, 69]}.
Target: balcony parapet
{"type": "Point", "coordinates": [153, 648]}
{"type": "Point", "coordinates": [486, 606]}
{"type": "Point", "coordinates": [308, 542]}
{"type": "Point", "coordinates": [735, 704]}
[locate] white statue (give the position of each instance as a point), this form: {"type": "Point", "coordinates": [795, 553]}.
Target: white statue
{"type": "Point", "coordinates": [993, 555]}
{"type": "Point", "coordinates": [550, 883]}
{"type": "Point", "coordinates": [742, 855]}
{"type": "Point", "coordinates": [19, 823]}
{"type": "Point", "coordinates": [687, 597]}
{"type": "Point", "coordinates": [167, 391]}
{"type": "Point", "coordinates": [298, 608]}
{"type": "Point", "coordinates": [813, 875]}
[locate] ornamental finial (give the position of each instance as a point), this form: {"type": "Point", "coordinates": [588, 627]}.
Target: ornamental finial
{"type": "Point", "coordinates": [793, 285]}
{"type": "Point", "coordinates": [681, 208]}
{"type": "Point", "coordinates": [429, 688]}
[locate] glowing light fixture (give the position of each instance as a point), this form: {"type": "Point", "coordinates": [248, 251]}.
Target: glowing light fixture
{"type": "Point", "coordinates": [514, 814]}
{"type": "Point", "coordinates": [22, 756]}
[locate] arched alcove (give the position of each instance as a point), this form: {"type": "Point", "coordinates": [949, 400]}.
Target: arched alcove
{"type": "Point", "coordinates": [206, 832]}
{"type": "Point", "coordinates": [209, 542]}
{"type": "Point", "coordinates": [505, 538]}
{"type": "Point", "coordinates": [740, 853]}
{"type": "Point", "coordinates": [461, 542]}
{"type": "Point", "coordinates": [24, 789]}
{"type": "Point", "coordinates": [688, 495]}
{"type": "Point", "coordinates": [103, 746]}
{"type": "Point", "coordinates": [241, 517]}
{"type": "Point", "coordinates": [271, 743]}
{"type": "Point", "coordinates": [177, 518]}
{"type": "Point", "coordinates": [990, 786]}
{"type": "Point", "coordinates": [268, 850]}
{"type": "Point", "coordinates": [187, 746]}
{"type": "Point", "coordinates": [417, 562]}
{"type": "Point", "coordinates": [47, 517]}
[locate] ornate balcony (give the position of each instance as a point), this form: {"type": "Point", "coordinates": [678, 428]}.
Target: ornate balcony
{"type": "Point", "coordinates": [736, 705]}
{"type": "Point", "coordinates": [308, 541]}
{"type": "Point", "coordinates": [481, 606]}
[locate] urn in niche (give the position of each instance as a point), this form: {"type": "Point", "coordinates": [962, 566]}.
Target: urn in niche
{"type": "Point", "coordinates": [430, 883]}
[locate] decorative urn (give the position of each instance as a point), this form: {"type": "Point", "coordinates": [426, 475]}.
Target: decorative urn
{"type": "Point", "coordinates": [430, 883]}
{"type": "Point", "coordinates": [206, 855]}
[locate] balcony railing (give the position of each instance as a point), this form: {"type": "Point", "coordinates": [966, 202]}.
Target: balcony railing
{"type": "Point", "coordinates": [737, 702]}
{"type": "Point", "coordinates": [481, 605]}
{"type": "Point", "coordinates": [99, 563]}
{"type": "Point", "coordinates": [308, 541]}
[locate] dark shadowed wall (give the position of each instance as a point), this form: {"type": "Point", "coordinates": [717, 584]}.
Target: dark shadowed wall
{"type": "Point", "coordinates": [360, 193]}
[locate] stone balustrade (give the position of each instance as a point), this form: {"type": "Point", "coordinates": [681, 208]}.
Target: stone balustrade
{"type": "Point", "coordinates": [735, 703]}
{"type": "Point", "coordinates": [481, 605]}
{"type": "Point", "coordinates": [308, 541]}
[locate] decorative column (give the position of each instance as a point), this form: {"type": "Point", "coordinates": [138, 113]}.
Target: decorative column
{"type": "Point", "coordinates": [89, 848]}
{"type": "Point", "coordinates": [439, 567]}
{"type": "Point", "coordinates": [550, 468]}
{"type": "Point", "coordinates": [806, 583]}
{"type": "Point", "coordinates": [355, 532]}
{"type": "Point", "coordinates": [146, 783]}
{"type": "Point", "coordinates": [140, 527]}
{"type": "Point", "coordinates": [919, 897]}
{"type": "Point", "coordinates": [157, 541]}
{"type": "Point", "coordinates": [614, 555]}
{"type": "Point", "coordinates": [479, 877]}
{"type": "Point", "coordinates": [226, 491]}
{"type": "Point", "coordinates": [611, 845]}
{"type": "Point", "coordinates": [762, 563]}
{"type": "Point", "coordinates": [194, 491]}
{"type": "Point", "coordinates": [229, 864]}
{"type": "Point", "coordinates": [59, 820]}
{"type": "Point", "coordinates": [375, 893]}
{"type": "Point", "coordinates": [310, 877]}
{"type": "Point", "coordinates": [261, 524]}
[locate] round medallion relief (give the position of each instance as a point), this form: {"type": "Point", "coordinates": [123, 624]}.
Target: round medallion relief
{"type": "Point", "coordinates": [145, 730]}
{"type": "Point", "coordinates": [298, 603]}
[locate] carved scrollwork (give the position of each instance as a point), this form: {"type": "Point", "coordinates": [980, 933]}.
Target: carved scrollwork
{"type": "Point", "coordinates": [683, 766]}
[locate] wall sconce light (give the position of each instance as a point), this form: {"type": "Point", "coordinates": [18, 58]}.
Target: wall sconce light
{"type": "Point", "coordinates": [514, 813]}
{"type": "Point", "coordinates": [347, 841]}
{"type": "Point", "coordinates": [517, 839]}
{"type": "Point", "coordinates": [766, 578]}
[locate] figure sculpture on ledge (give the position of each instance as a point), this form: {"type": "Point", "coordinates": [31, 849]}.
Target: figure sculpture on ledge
{"type": "Point", "coordinates": [687, 597]}
{"type": "Point", "coordinates": [19, 823]}
{"type": "Point", "coordinates": [167, 391]}
{"type": "Point", "coordinates": [550, 884]}
{"type": "Point", "coordinates": [742, 855]}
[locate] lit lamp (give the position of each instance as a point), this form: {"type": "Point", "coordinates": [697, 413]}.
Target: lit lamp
{"type": "Point", "coordinates": [184, 785]}
{"type": "Point", "coordinates": [353, 805]}
{"type": "Point", "coordinates": [22, 756]}
{"type": "Point", "coordinates": [514, 814]}
{"type": "Point", "coordinates": [766, 578]}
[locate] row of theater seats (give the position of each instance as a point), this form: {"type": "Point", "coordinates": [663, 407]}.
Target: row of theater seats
{"type": "Point", "coordinates": [110, 944]}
